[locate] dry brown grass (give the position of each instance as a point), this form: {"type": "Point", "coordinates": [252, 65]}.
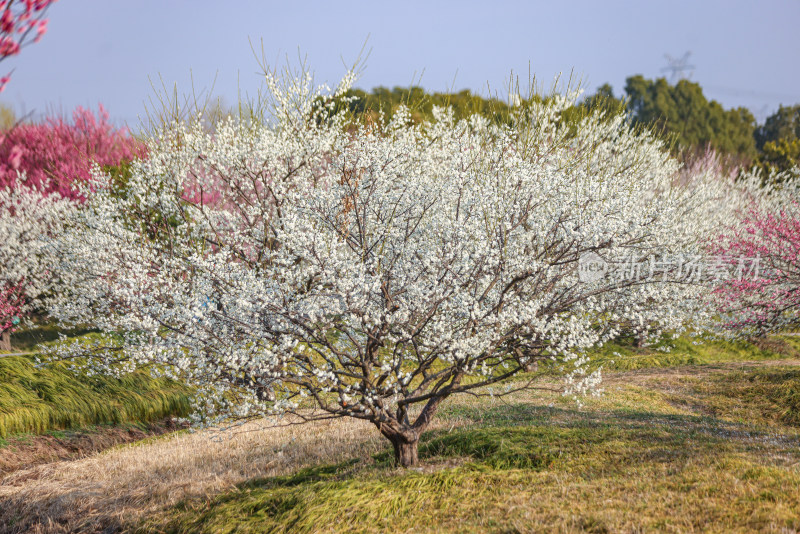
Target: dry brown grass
{"type": "Point", "coordinates": [26, 450]}
{"type": "Point", "coordinates": [126, 483]}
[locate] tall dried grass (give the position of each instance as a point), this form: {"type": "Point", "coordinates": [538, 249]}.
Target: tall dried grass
{"type": "Point", "coordinates": [35, 400]}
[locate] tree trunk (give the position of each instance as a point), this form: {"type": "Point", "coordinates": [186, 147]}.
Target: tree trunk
{"type": "Point", "coordinates": [404, 441]}
{"type": "Point", "coordinates": [405, 437]}
{"type": "Point", "coordinates": [5, 340]}
{"type": "Point", "coordinates": [405, 451]}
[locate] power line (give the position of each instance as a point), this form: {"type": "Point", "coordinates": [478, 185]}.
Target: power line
{"type": "Point", "coordinates": [748, 93]}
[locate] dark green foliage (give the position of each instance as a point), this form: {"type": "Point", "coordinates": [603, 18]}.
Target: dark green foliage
{"type": "Point", "coordinates": [682, 114]}
{"type": "Point", "coordinates": [784, 124]}
{"type": "Point", "coordinates": [384, 102]}
{"type": "Point", "coordinates": [605, 101]}
{"type": "Point", "coordinates": [779, 156]}
{"type": "Point", "coordinates": [681, 110]}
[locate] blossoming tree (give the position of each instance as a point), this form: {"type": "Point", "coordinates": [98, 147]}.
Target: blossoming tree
{"type": "Point", "coordinates": [769, 300]}
{"type": "Point", "coordinates": [37, 160]}
{"type": "Point", "coordinates": [30, 220]}
{"type": "Point", "coordinates": [374, 271]}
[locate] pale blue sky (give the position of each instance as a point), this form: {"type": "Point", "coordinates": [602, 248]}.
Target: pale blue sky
{"type": "Point", "coordinates": [744, 53]}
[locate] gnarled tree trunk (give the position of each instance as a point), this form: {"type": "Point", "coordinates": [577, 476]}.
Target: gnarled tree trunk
{"type": "Point", "coordinates": [404, 436]}
{"type": "Point", "coordinates": [405, 443]}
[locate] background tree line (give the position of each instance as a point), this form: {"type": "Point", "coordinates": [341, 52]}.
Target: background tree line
{"type": "Point", "coordinates": [680, 113]}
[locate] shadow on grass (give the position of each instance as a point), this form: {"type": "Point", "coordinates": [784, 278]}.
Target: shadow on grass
{"type": "Point", "coordinates": [531, 437]}
{"type": "Point", "coordinates": [308, 475]}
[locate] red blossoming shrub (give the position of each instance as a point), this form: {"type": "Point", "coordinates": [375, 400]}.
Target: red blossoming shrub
{"type": "Point", "coordinates": [20, 21]}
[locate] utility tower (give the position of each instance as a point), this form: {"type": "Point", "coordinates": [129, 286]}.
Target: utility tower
{"type": "Point", "coordinates": [678, 67]}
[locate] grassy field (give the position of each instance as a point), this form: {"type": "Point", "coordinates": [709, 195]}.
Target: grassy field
{"type": "Point", "coordinates": [37, 400]}
{"type": "Point", "coordinates": [687, 350]}
{"type": "Point", "coordinates": [693, 449]}
{"type": "Point", "coordinates": [709, 446]}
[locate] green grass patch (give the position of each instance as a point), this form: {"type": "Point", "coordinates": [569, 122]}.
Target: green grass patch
{"type": "Point", "coordinates": [36, 400]}
{"type": "Point", "coordinates": [622, 355]}
{"type": "Point", "coordinates": [765, 396]}
{"type": "Point", "coordinates": [29, 338]}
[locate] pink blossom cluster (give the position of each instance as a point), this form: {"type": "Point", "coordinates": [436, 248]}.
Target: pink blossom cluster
{"type": "Point", "coordinates": [18, 22]}
{"type": "Point", "coordinates": [59, 153]}
{"type": "Point", "coordinates": [770, 300]}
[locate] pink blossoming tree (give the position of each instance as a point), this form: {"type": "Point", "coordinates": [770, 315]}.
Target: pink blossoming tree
{"type": "Point", "coordinates": [43, 166]}
{"type": "Point", "coordinates": [768, 299]}
{"type": "Point", "coordinates": [60, 153]}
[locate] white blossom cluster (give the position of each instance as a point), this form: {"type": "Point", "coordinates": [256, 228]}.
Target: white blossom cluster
{"type": "Point", "coordinates": [30, 222]}
{"type": "Point", "coordinates": [365, 270]}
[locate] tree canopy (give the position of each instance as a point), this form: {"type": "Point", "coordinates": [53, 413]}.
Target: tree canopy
{"type": "Point", "coordinates": [683, 111]}
{"type": "Point", "coordinates": [783, 124]}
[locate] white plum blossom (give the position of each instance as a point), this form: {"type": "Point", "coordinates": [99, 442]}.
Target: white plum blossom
{"type": "Point", "coordinates": [30, 222]}
{"type": "Point", "coordinates": [318, 267]}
